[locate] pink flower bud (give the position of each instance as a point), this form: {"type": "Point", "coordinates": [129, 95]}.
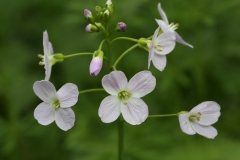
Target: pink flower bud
{"type": "Point", "coordinates": [87, 13]}
{"type": "Point", "coordinates": [95, 66]}
{"type": "Point", "coordinates": [121, 26]}
{"type": "Point", "coordinates": [91, 28]}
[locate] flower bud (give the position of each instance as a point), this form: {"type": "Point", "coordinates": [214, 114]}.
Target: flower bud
{"type": "Point", "coordinates": [121, 26]}
{"type": "Point", "coordinates": [98, 10]}
{"type": "Point", "coordinates": [88, 16]}
{"type": "Point", "coordinates": [106, 15]}
{"type": "Point", "coordinates": [109, 6]}
{"type": "Point", "coordinates": [109, 2]}
{"type": "Point", "coordinates": [87, 13]}
{"type": "Point", "coordinates": [91, 28]}
{"type": "Point", "coordinates": [96, 63]}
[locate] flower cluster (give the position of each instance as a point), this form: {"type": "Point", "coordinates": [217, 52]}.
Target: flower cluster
{"type": "Point", "coordinates": [125, 96]}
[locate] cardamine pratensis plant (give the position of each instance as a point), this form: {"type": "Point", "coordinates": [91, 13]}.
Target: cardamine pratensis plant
{"type": "Point", "coordinates": [124, 101]}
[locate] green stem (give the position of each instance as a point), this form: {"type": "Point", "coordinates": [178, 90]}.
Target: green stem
{"type": "Point", "coordinates": [123, 54]}
{"type": "Point", "coordinates": [165, 115]}
{"type": "Point", "coordinates": [78, 54]}
{"type": "Point", "coordinates": [101, 44]}
{"type": "Point", "coordinates": [125, 38]}
{"type": "Point", "coordinates": [120, 138]}
{"type": "Point", "coordinates": [91, 90]}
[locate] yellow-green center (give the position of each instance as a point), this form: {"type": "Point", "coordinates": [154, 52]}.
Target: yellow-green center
{"type": "Point", "coordinates": [124, 96]}
{"type": "Point", "coordinates": [56, 104]}
{"type": "Point", "coordinates": [195, 117]}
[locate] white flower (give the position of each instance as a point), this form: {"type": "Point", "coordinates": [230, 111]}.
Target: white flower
{"type": "Point", "coordinates": [48, 61]}
{"type": "Point", "coordinates": [165, 26]}
{"type": "Point", "coordinates": [126, 96]}
{"type": "Point", "coordinates": [159, 47]}
{"type": "Point", "coordinates": [200, 119]}
{"type": "Point", "coordinates": [55, 105]}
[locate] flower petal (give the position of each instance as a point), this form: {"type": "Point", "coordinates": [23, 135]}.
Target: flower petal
{"type": "Point", "coordinates": [50, 48]}
{"type": "Point", "coordinates": [206, 131]}
{"type": "Point", "coordinates": [135, 112]}
{"type": "Point", "coordinates": [162, 13]}
{"type": "Point", "coordinates": [109, 109]}
{"type": "Point", "coordinates": [167, 41]}
{"type": "Point", "coordinates": [45, 43]}
{"type": "Point", "coordinates": [151, 50]}
{"type": "Point", "coordinates": [159, 61]}
{"type": "Point", "coordinates": [185, 124]}
{"type": "Point", "coordinates": [45, 90]}
{"type": "Point", "coordinates": [150, 55]}
{"type": "Point", "coordinates": [64, 118]}
{"type": "Point", "coordinates": [114, 82]}
{"type": "Point", "coordinates": [68, 95]}
{"type": "Point", "coordinates": [48, 67]}
{"type": "Point", "coordinates": [141, 84]}
{"type": "Point", "coordinates": [44, 113]}
{"type": "Point", "coordinates": [180, 40]}
{"type": "Point", "coordinates": [163, 25]}
{"type": "Point", "coordinates": [210, 111]}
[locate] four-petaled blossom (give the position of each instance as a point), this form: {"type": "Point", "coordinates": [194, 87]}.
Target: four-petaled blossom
{"type": "Point", "coordinates": [159, 47]}
{"type": "Point", "coordinates": [165, 26]}
{"type": "Point", "coordinates": [125, 97]}
{"type": "Point", "coordinates": [55, 105]}
{"type": "Point", "coordinates": [200, 119]}
{"type": "Point", "coordinates": [48, 60]}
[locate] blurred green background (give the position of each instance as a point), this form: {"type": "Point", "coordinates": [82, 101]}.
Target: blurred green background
{"type": "Point", "coordinates": [210, 71]}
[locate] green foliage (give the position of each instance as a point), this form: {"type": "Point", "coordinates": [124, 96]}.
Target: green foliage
{"type": "Point", "coordinates": [210, 71]}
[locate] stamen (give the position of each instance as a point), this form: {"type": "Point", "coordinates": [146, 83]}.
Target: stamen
{"type": "Point", "coordinates": [173, 26]}
{"type": "Point", "coordinates": [41, 63]}
{"type": "Point", "coordinates": [40, 56]}
{"type": "Point", "coordinates": [195, 117]}
{"type": "Point", "coordinates": [124, 96]}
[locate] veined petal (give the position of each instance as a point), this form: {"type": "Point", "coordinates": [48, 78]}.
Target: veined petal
{"type": "Point", "coordinates": [114, 82]}
{"type": "Point", "coordinates": [209, 119]}
{"type": "Point", "coordinates": [44, 113]}
{"type": "Point", "coordinates": [159, 61]}
{"type": "Point", "coordinates": [150, 55]}
{"type": "Point", "coordinates": [162, 13]}
{"type": "Point", "coordinates": [135, 111]}
{"type": "Point", "coordinates": [48, 67]}
{"type": "Point", "coordinates": [151, 48]}
{"type": "Point", "coordinates": [185, 124]}
{"type": "Point", "coordinates": [109, 109]}
{"type": "Point", "coordinates": [64, 118]}
{"type": "Point", "coordinates": [210, 111]}
{"type": "Point", "coordinates": [68, 95]}
{"type": "Point", "coordinates": [180, 40]}
{"type": "Point", "coordinates": [206, 131]}
{"type": "Point", "coordinates": [50, 48]}
{"type": "Point", "coordinates": [45, 43]}
{"type": "Point", "coordinates": [163, 25]}
{"type": "Point", "coordinates": [207, 107]}
{"type": "Point", "coordinates": [45, 90]}
{"type": "Point", "coordinates": [167, 41]}
{"type": "Point", "coordinates": [141, 84]}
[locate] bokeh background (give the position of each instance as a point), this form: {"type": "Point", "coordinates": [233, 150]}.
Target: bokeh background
{"type": "Point", "coordinates": [210, 71]}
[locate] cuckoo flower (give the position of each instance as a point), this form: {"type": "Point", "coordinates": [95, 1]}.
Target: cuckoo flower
{"type": "Point", "coordinates": [55, 105]}
{"type": "Point", "coordinates": [165, 26]}
{"type": "Point", "coordinates": [125, 97]}
{"type": "Point", "coordinates": [48, 60]}
{"type": "Point", "coordinates": [200, 119]}
{"type": "Point", "coordinates": [159, 47]}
